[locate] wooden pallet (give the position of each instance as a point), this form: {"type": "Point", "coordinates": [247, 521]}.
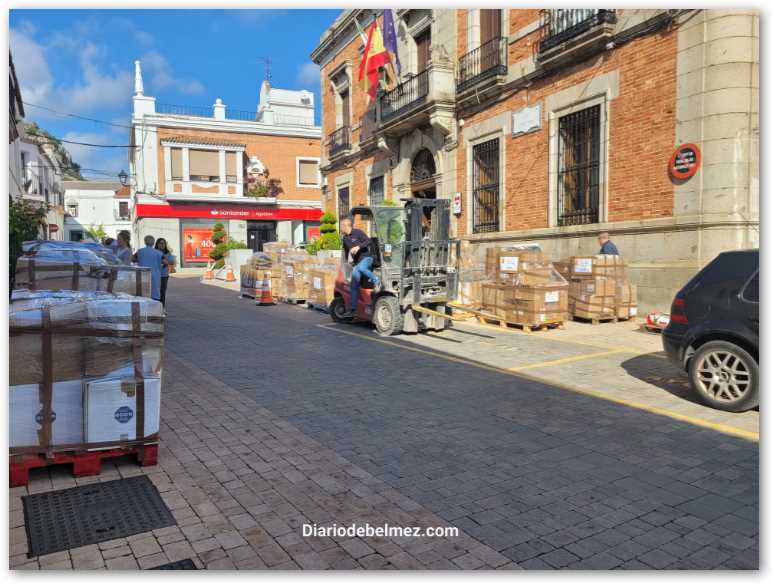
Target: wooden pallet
{"type": "Point", "coordinates": [595, 319]}
{"type": "Point", "coordinates": [292, 300]}
{"type": "Point", "coordinates": [84, 464]}
{"type": "Point", "coordinates": [527, 328]}
{"type": "Point", "coordinates": [463, 311]}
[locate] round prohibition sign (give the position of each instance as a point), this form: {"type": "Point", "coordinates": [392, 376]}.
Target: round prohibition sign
{"type": "Point", "coordinates": [685, 161]}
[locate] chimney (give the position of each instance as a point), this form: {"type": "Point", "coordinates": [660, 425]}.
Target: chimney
{"type": "Point", "coordinates": [219, 109]}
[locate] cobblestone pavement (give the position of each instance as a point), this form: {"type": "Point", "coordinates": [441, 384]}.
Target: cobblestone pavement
{"type": "Point", "coordinates": [270, 421]}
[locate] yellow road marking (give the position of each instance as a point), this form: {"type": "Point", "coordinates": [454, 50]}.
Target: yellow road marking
{"type": "Point", "coordinates": [717, 427]}
{"type": "Point", "coordinates": [567, 360]}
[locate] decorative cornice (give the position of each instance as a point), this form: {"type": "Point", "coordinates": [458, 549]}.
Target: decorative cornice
{"type": "Point", "coordinates": [238, 126]}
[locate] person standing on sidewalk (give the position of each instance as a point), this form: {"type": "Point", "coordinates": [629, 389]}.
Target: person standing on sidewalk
{"type": "Point", "coordinates": [167, 266]}
{"type": "Point", "coordinates": [150, 257]}
{"type": "Point", "coordinates": [357, 247]}
{"type": "Point", "coordinates": [607, 247]}
{"type": "Point", "coordinates": [123, 249]}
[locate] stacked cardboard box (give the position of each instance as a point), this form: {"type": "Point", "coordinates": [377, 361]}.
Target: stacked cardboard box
{"type": "Point", "coordinates": [276, 250]}
{"type": "Point", "coordinates": [599, 287]}
{"type": "Point", "coordinates": [85, 370]}
{"type": "Point", "coordinates": [472, 275]}
{"type": "Point", "coordinates": [525, 288]}
{"type": "Point", "coordinates": [85, 267]}
{"type": "Point", "coordinates": [320, 278]}
{"type": "Point", "coordinates": [295, 285]}
{"type": "Point", "coordinates": [252, 274]}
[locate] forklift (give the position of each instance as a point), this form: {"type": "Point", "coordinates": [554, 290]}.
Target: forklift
{"type": "Point", "coordinates": [417, 264]}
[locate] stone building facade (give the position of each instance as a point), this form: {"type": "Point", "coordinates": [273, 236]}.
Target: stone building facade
{"type": "Point", "coordinates": [550, 126]}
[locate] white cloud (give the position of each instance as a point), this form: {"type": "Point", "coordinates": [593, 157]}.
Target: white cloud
{"type": "Point", "coordinates": [308, 76]}
{"type": "Point", "coordinates": [160, 75]}
{"type": "Point", "coordinates": [31, 67]}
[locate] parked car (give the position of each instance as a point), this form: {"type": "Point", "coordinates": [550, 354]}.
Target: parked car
{"type": "Point", "coordinates": [714, 331]}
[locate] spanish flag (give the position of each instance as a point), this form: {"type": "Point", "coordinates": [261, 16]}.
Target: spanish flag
{"type": "Point", "coordinates": [374, 57]}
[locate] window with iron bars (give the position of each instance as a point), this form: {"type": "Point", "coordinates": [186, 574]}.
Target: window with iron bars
{"type": "Point", "coordinates": [343, 202]}
{"type": "Point", "coordinates": [579, 146]}
{"type": "Point", "coordinates": [376, 190]}
{"type": "Point", "coordinates": [485, 187]}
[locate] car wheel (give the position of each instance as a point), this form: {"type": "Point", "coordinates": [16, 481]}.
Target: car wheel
{"type": "Point", "coordinates": [725, 376]}
{"type": "Point", "coordinates": [387, 316]}
{"type": "Point", "coordinates": [337, 310]}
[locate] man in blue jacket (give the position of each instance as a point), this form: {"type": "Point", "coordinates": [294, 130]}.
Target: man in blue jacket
{"type": "Point", "coordinates": [607, 247]}
{"type": "Point", "coordinates": [150, 257]}
{"type": "Point", "coordinates": [357, 248]}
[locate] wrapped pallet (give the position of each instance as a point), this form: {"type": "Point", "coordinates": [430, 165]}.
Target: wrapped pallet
{"type": "Point", "coordinates": [295, 285]}
{"type": "Point", "coordinates": [321, 277]}
{"type": "Point", "coordinates": [472, 275]}
{"type": "Point", "coordinates": [85, 370]}
{"type": "Point", "coordinates": [625, 299]}
{"type": "Point", "coordinates": [252, 273]}
{"type": "Point", "coordinates": [54, 266]}
{"type": "Point", "coordinates": [527, 289]}
{"type": "Point", "coordinates": [599, 288]}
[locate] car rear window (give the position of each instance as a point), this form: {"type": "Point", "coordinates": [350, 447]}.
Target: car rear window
{"type": "Point", "coordinates": [726, 267]}
{"type": "Point", "coordinates": [752, 290]}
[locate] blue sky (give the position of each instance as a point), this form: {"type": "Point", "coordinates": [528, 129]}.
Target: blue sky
{"type": "Point", "coordinates": [81, 62]}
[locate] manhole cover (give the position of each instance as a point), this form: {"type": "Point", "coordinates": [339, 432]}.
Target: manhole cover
{"type": "Point", "coordinates": [186, 564]}
{"type": "Point", "coordinates": [70, 518]}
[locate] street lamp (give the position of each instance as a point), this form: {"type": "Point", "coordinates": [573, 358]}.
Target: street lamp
{"type": "Point", "coordinates": [123, 177]}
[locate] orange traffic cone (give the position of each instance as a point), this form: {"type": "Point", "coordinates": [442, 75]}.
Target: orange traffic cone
{"type": "Point", "coordinates": [209, 274]}
{"type": "Point", "coordinates": [229, 275]}
{"type": "Point", "coordinates": [266, 297]}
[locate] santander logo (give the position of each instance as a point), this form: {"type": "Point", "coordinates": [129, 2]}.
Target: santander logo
{"type": "Point", "coordinates": [215, 212]}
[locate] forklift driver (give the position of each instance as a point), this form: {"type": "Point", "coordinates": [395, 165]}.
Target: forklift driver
{"type": "Point", "coordinates": [357, 248]}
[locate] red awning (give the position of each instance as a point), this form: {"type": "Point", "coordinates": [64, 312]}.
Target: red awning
{"type": "Point", "coordinates": [197, 210]}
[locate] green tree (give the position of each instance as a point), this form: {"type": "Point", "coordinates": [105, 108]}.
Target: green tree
{"type": "Point", "coordinates": [222, 245]}
{"type": "Point", "coordinates": [25, 222]}
{"type": "Point", "coordinates": [329, 238]}
{"type": "Point", "coordinates": [97, 233]}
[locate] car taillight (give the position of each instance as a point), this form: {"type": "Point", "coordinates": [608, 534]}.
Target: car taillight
{"type": "Point", "coordinates": [677, 311]}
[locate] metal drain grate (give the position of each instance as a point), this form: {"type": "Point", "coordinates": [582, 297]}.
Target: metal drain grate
{"type": "Point", "coordinates": [186, 564]}
{"type": "Point", "coordinates": [70, 518]}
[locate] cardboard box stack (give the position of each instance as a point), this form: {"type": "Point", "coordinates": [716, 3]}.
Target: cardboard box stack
{"type": "Point", "coordinates": [59, 265]}
{"type": "Point", "coordinates": [85, 370]}
{"type": "Point", "coordinates": [294, 264]}
{"type": "Point", "coordinates": [525, 288]}
{"type": "Point", "coordinates": [472, 275]}
{"type": "Point", "coordinates": [599, 288]}
{"type": "Point", "coordinates": [252, 273]}
{"type": "Point", "coordinates": [321, 276]}
{"type": "Point", "coordinates": [275, 250]}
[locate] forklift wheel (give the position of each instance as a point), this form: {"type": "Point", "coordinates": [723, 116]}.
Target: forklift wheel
{"type": "Point", "coordinates": [387, 316]}
{"type": "Point", "coordinates": [337, 309]}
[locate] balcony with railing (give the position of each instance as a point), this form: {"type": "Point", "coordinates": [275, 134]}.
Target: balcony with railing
{"type": "Point", "coordinates": [572, 32]}
{"type": "Point", "coordinates": [426, 97]}
{"type": "Point", "coordinates": [486, 62]}
{"type": "Point", "coordinates": [232, 114]}
{"type": "Point", "coordinates": [339, 141]}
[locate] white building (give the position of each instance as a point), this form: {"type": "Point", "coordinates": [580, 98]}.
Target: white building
{"type": "Point", "coordinates": [256, 172]}
{"type": "Point", "coordinates": [93, 204]}
{"type": "Point", "coordinates": [41, 182]}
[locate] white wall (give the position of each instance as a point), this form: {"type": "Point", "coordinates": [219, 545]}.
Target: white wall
{"type": "Point", "coordinates": [95, 207]}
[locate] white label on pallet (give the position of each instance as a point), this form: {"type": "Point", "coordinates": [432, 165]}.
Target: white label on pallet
{"type": "Point", "coordinates": [632, 311]}
{"type": "Point", "coordinates": [317, 283]}
{"type": "Point", "coordinates": [583, 265]}
{"type": "Point", "coordinates": [508, 263]}
{"type": "Point", "coordinates": [552, 296]}
{"type": "Point", "coordinates": [290, 271]}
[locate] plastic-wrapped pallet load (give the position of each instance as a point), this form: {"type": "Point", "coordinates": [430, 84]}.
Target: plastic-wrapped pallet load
{"type": "Point", "coordinates": [472, 275]}
{"type": "Point", "coordinates": [294, 263]}
{"type": "Point", "coordinates": [86, 267]}
{"type": "Point", "coordinates": [252, 273]}
{"type": "Point", "coordinates": [85, 370]}
{"type": "Point", "coordinates": [320, 279]}
{"type": "Point", "coordinates": [527, 289]}
{"type": "Point", "coordinates": [276, 251]}
{"type": "Point", "coordinates": [625, 299]}
{"type": "Point", "coordinates": [599, 288]}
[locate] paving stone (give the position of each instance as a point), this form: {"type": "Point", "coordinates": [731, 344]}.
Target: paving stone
{"type": "Point", "coordinates": [230, 540]}
{"type": "Point", "coordinates": [559, 558]}
{"type": "Point", "coordinates": [657, 559]}
{"type": "Point", "coordinates": [144, 547]}
{"type": "Point", "coordinates": [122, 563]}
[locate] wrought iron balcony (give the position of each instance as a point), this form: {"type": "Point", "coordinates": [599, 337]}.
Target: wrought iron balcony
{"type": "Point", "coordinates": [563, 24]}
{"type": "Point", "coordinates": [404, 97]}
{"type": "Point", "coordinates": [488, 60]}
{"type": "Point", "coordinates": [339, 141]}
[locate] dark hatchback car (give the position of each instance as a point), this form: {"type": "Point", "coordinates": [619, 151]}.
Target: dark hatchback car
{"type": "Point", "coordinates": [714, 331]}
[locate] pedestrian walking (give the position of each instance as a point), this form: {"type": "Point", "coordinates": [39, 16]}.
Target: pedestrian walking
{"type": "Point", "coordinates": [167, 266]}
{"type": "Point", "coordinates": [607, 247]}
{"type": "Point", "coordinates": [150, 257]}
{"type": "Point", "coordinates": [123, 250]}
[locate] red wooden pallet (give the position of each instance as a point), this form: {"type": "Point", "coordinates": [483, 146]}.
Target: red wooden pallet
{"type": "Point", "coordinates": [84, 464]}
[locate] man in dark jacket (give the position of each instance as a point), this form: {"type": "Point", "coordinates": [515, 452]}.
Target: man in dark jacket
{"type": "Point", "coordinates": [357, 248]}
{"type": "Point", "coordinates": [607, 247]}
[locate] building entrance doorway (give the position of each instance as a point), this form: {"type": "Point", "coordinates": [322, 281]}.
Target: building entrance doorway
{"type": "Point", "coordinates": [259, 232]}
{"type": "Point", "coordinates": [423, 175]}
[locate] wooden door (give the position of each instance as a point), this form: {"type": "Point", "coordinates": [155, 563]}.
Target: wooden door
{"type": "Point", "coordinates": [422, 51]}
{"type": "Point", "coordinates": [490, 25]}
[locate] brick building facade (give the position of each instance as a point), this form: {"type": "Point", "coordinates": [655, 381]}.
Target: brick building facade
{"type": "Point", "coordinates": [550, 126]}
{"type": "Point", "coordinates": [194, 167]}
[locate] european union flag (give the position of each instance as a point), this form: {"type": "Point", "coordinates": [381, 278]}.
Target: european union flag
{"type": "Point", "coordinates": [390, 37]}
